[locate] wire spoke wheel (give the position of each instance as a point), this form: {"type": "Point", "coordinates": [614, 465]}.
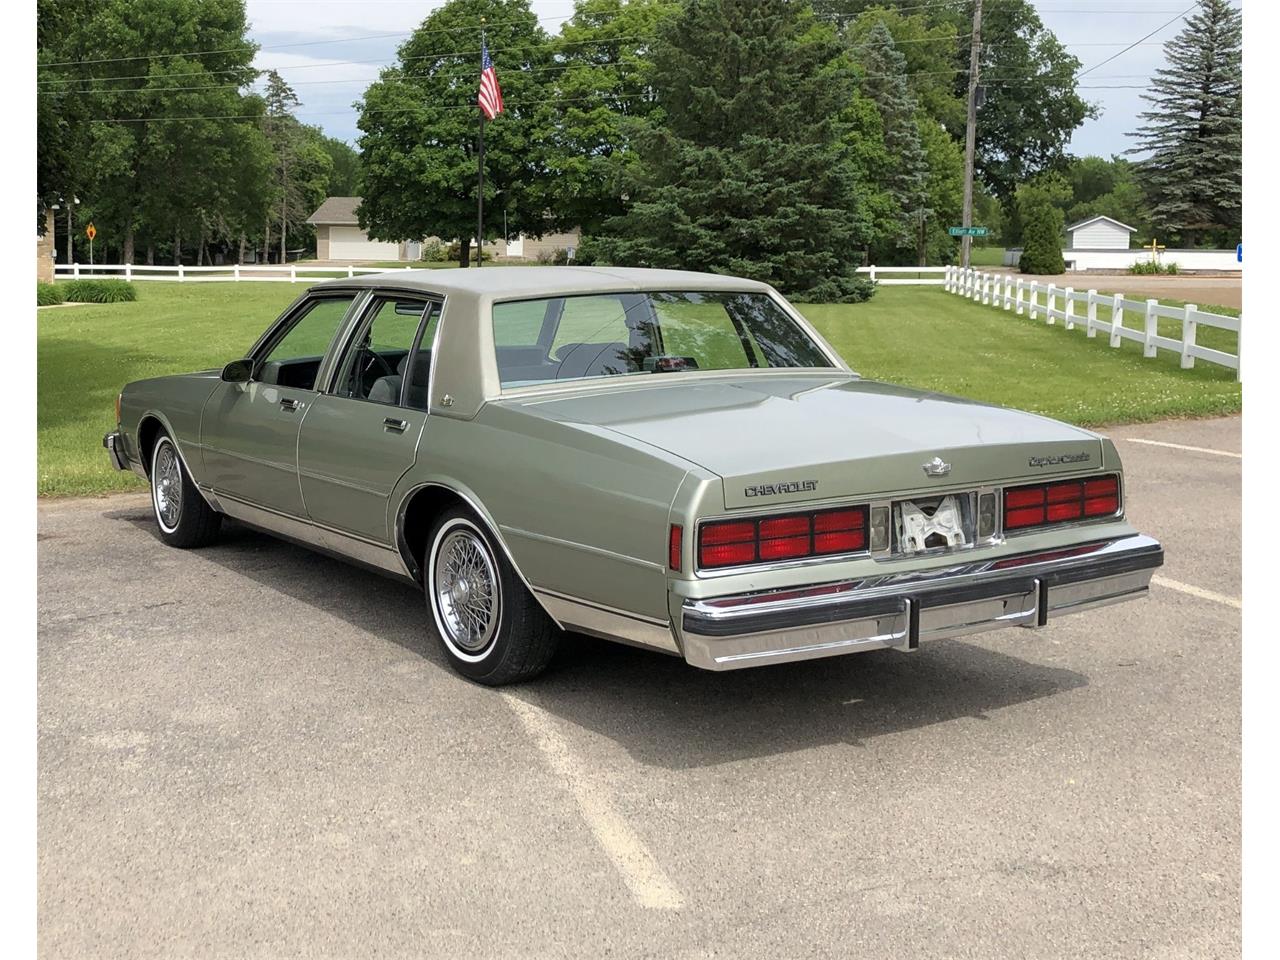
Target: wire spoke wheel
{"type": "Point", "coordinates": [467, 590]}
{"type": "Point", "coordinates": [166, 486]}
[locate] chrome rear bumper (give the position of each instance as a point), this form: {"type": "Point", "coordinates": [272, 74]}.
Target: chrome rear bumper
{"type": "Point", "coordinates": [114, 443]}
{"type": "Point", "coordinates": [900, 610]}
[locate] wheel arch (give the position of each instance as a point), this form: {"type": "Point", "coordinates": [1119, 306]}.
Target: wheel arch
{"type": "Point", "coordinates": [427, 500]}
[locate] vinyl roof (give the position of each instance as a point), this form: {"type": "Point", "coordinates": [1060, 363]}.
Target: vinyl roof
{"type": "Point", "coordinates": [517, 282]}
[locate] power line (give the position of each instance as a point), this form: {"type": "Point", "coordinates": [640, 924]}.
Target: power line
{"type": "Point", "coordinates": [299, 43]}
{"type": "Point", "coordinates": [436, 55]}
{"type": "Point", "coordinates": [1103, 63]}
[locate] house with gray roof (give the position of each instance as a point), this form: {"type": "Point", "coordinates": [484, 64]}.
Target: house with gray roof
{"type": "Point", "coordinates": [339, 235]}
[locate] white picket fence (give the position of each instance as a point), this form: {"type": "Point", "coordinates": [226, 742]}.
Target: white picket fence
{"type": "Point", "coordinates": [1054, 303]}
{"type": "Point", "coordinates": [930, 276]}
{"type": "Point", "coordinates": [292, 273]}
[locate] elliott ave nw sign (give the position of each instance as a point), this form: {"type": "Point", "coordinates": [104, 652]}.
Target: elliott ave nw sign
{"type": "Point", "coordinates": [967, 231]}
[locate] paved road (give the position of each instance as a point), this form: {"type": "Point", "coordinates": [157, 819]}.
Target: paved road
{"type": "Point", "coordinates": [249, 751]}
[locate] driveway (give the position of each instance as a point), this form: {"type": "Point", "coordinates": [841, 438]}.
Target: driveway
{"type": "Point", "coordinates": [1204, 291]}
{"type": "Point", "coordinates": [250, 751]}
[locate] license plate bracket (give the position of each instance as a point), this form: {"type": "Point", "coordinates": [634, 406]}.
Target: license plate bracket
{"type": "Point", "coordinates": [939, 523]}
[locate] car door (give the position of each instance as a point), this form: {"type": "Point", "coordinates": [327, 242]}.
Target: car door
{"type": "Point", "coordinates": [360, 436]}
{"type": "Point", "coordinates": [249, 431]}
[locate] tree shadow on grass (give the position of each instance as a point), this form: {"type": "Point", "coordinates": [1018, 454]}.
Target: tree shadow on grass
{"type": "Point", "coordinates": [663, 712]}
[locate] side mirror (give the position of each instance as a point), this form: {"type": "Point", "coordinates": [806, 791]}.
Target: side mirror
{"type": "Point", "coordinates": [238, 371]}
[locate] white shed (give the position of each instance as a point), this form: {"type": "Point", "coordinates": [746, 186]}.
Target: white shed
{"type": "Point", "coordinates": [1099, 233]}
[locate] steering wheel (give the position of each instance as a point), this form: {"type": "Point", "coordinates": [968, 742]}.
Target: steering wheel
{"type": "Point", "coordinates": [375, 357]}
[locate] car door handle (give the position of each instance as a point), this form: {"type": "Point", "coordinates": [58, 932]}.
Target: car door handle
{"type": "Point", "coordinates": [398, 426]}
{"type": "Point", "coordinates": [288, 403]}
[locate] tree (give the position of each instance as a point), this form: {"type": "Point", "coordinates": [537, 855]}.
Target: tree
{"type": "Point", "coordinates": [419, 124]}
{"type": "Point", "coordinates": [1040, 211]}
{"type": "Point", "coordinates": [344, 178]}
{"type": "Point", "coordinates": [927, 48]}
{"type": "Point", "coordinates": [1192, 134]}
{"type": "Point", "coordinates": [906, 176]}
{"type": "Point", "coordinates": [749, 171]}
{"type": "Point", "coordinates": [1029, 106]}
{"type": "Point", "coordinates": [1110, 188]}
{"type": "Point", "coordinates": [604, 97]}
{"type": "Point", "coordinates": [152, 124]}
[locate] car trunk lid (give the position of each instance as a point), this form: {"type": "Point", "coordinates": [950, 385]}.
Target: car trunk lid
{"type": "Point", "coordinates": [790, 439]}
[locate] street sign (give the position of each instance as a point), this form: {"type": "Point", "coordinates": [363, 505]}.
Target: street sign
{"type": "Point", "coordinates": [91, 231]}
{"type": "Point", "coordinates": [968, 231]}
{"type": "Point", "coordinates": [1239, 253]}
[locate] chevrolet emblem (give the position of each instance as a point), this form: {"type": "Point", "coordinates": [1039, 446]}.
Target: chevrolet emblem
{"type": "Point", "coordinates": [937, 467]}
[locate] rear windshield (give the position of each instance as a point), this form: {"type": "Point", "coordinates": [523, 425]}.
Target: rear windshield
{"type": "Point", "coordinates": [619, 334]}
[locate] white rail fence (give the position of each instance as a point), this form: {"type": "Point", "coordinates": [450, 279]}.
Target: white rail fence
{"type": "Point", "coordinates": [293, 272]}
{"type": "Point", "coordinates": [287, 273]}
{"type": "Point", "coordinates": [1076, 308]}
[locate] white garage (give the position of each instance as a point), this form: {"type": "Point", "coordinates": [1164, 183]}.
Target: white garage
{"type": "Point", "coordinates": [339, 236]}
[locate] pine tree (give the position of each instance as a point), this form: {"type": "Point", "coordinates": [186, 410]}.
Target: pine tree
{"type": "Point", "coordinates": [884, 82]}
{"type": "Point", "coordinates": [1039, 206]}
{"type": "Point", "coordinates": [750, 172]}
{"type": "Point", "coordinates": [1193, 174]}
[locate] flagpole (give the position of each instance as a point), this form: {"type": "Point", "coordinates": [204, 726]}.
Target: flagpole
{"type": "Point", "coordinates": [480, 179]}
{"type": "Point", "coordinates": [480, 199]}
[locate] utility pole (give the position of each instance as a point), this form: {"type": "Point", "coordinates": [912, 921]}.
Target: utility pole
{"type": "Point", "coordinates": [971, 129]}
{"type": "Point", "coordinates": [284, 201]}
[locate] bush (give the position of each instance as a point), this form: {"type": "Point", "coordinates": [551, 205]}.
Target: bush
{"type": "Point", "coordinates": [1149, 267]}
{"type": "Point", "coordinates": [98, 291]}
{"type": "Point", "coordinates": [455, 253]}
{"type": "Point", "coordinates": [47, 294]}
{"type": "Point", "coordinates": [1041, 240]}
{"type": "Point", "coordinates": [434, 252]}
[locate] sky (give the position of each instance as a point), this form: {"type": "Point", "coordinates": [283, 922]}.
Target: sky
{"type": "Point", "coordinates": [313, 43]}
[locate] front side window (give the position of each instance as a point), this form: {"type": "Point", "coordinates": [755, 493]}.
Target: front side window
{"type": "Point", "coordinates": [389, 358]}
{"type": "Point", "coordinates": [609, 335]}
{"type": "Point", "coordinates": [293, 360]}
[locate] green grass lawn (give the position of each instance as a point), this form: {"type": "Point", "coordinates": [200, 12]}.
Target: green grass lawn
{"type": "Point", "coordinates": [986, 256]}
{"type": "Point", "coordinates": [923, 337]}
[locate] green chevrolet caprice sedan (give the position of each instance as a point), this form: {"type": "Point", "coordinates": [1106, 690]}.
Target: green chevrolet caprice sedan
{"type": "Point", "coordinates": [673, 460]}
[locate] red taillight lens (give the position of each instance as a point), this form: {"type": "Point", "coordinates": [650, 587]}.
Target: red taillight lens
{"type": "Point", "coordinates": [785, 538]}
{"type": "Point", "coordinates": [675, 546]}
{"type": "Point", "coordinates": [840, 531]}
{"type": "Point", "coordinates": [1060, 502]}
{"type": "Point", "coordinates": [727, 543]}
{"type": "Point", "coordinates": [732, 543]}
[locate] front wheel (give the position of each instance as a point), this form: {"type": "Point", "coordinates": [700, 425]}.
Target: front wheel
{"type": "Point", "coordinates": [184, 518]}
{"type": "Point", "coordinates": [487, 622]}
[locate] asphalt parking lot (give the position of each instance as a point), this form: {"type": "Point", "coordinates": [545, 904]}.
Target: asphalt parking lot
{"type": "Point", "coordinates": [251, 751]}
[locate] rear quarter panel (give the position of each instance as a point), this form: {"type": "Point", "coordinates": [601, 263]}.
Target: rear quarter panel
{"type": "Point", "coordinates": [583, 512]}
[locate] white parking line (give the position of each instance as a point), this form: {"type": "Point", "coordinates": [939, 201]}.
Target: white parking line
{"type": "Point", "coordinates": [1196, 591]}
{"type": "Point", "coordinates": [640, 871]}
{"type": "Point", "coordinates": [1183, 446]}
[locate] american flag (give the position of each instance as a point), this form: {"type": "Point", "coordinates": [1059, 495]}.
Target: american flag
{"type": "Point", "coordinates": [490, 92]}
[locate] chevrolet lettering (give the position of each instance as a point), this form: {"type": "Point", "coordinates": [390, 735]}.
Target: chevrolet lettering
{"type": "Point", "coordinates": [676, 461]}
{"type": "Point", "coordinates": [774, 489]}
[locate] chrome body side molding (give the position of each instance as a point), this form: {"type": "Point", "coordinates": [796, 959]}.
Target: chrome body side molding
{"type": "Point", "coordinates": [310, 534]}
{"type": "Point", "coordinates": [607, 623]}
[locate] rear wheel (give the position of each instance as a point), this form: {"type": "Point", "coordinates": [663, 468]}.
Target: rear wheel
{"type": "Point", "coordinates": [183, 516]}
{"type": "Point", "coordinates": [487, 622]}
